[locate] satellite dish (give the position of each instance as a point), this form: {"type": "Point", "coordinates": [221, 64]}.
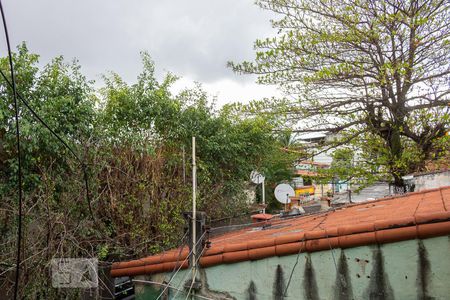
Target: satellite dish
{"type": "Point", "coordinates": [256, 177]}
{"type": "Point", "coordinates": [283, 192]}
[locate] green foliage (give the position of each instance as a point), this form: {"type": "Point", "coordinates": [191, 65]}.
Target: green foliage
{"type": "Point", "coordinates": [362, 70]}
{"type": "Point", "coordinates": [136, 142]}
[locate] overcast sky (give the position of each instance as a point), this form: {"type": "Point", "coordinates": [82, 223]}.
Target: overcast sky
{"type": "Point", "coordinates": [193, 39]}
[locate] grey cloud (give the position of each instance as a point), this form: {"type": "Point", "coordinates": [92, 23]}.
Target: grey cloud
{"type": "Point", "coordinates": [190, 38]}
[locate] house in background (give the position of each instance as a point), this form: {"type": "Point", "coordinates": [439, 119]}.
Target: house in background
{"type": "Point", "coordinates": [392, 248]}
{"type": "Point", "coordinates": [305, 186]}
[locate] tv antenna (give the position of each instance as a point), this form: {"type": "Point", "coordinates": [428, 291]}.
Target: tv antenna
{"type": "Point", "coordinates": [258, 178]}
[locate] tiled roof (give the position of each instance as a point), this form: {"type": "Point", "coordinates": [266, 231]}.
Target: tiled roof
{"type": "Point", "coordinates": [416, 215]}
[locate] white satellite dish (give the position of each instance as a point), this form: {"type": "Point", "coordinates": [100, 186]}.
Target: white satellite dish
{"type": "Point", "coordinates": [256, 177]}
{"type": "Point", "coordinates": [283, 192]}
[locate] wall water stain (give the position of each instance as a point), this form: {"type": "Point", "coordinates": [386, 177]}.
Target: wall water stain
{"type": "Point", "coordinates": [309, 281]}
{"type": "Point", "coordinates": [423, 273]}
{"type": "Point", "coordinates": [379, 286]}
{"type": "Point", "coordinates": [251, 291]}
{"type": "Point", "coordinates": [343, 282]}
{"type": "Point", "coordinates": [279, 285]}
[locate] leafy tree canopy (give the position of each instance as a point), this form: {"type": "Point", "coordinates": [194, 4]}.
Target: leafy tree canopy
{"type": "Point", "coordinates": [372, 73]}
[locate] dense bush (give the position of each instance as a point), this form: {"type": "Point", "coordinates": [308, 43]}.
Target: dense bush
{"type": "Point", "coordinates": [136, 143]}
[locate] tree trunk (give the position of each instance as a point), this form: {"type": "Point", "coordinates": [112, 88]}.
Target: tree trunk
{"type": "Point", "coordinates": [396, 149]}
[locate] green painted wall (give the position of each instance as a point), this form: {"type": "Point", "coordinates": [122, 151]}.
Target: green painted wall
{"type": "Point", "coordinates": [415, 269]}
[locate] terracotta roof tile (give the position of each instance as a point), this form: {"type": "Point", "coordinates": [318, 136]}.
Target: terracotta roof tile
{"type": "Point", "coordinates": [416, 215]}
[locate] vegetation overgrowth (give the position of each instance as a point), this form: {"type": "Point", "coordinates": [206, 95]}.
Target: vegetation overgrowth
{"type": "Point", "coordinates": [135, 140]}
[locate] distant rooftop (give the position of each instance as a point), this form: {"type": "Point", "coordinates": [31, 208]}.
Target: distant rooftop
{"type": "Point", "coordinates": [314, 163]}
{"type": "Point", "coordinates": [421, 214]}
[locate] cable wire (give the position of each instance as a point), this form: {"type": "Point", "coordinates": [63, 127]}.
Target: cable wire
{"type": "Point", "coordinates": [168, 286]}
{"type": "Point", "coordinates": [300, 250]}
{"type": "Point", "coordinates": [19, 160]}
{"type": "Point", "coordinates": [188, 272]}
{"type": "Point", "coordinates": [179, 268]}
{"type": "Point", "coordinates": [16, 95]}
{"type": "Point", "coordinates": [295, 265]}
{"type": "Point", "coordinates": [194, 274]}
{"type": "Point", "coordinates": [83, 165]}
{"type": "Point", "coordinates": [179, 255]}
{"type": "Point", "coordinates": [331, 248]}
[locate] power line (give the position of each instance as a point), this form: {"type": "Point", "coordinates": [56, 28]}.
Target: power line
{"type": "Point", "coordinates": [16, 95]}
{"type": "Point", "coordinates": [194, 274]}
{"type": "Point", "coordinates": [300, 250]}
{"type": "Point", "coordinates": [195, 262]}
{"type": "Point", "coordinates": [16, 108]}
{"type": "Point", "coordinates": [295, 265]}
{"type": "Point", "coordinates": [83, 165]}
{"type": "Point", "coordinates": [179, 268]}
{"type": "Point", "coordinates": [331, 249]}
{"type": "Point", "coordinates": [167, 286]}
{"type": "Point", "coordinates": [25, 102]}
{"type": "Point", "coordinates": [179, 255]}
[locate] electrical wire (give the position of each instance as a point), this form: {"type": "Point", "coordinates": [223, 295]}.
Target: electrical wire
{"type": "Point", "coordinates": [188, 272]}
{"type": "Point", "coordinates": [83, 165]}
{"type": "Point", "coordinates": [172, 275]}
{"type": "Point", "coordinates": [179, 254]}
{"type": "Point", "coordinates": [40, 119]}
{"type": "Point", "coordinates": [16, 108]}
{"type": "Point", "coordinates": [179, 268]}
{"type": "Point", "coordinates": [16, 95]}
{"type": "Point", "coordinates": [194, 274]}
{"type": "Point", "coordinates": [300, 250]}
{"type": "Point", "coordinates": [187, 257]}
{"type": "Point", "coordinates": [295, 265]}
{"type": "Point", "coordinates": [167, 285]}
{"type": "Point", "coordinates": [281, 219]}
{"type": "Point", "coordinates": [331, 249]}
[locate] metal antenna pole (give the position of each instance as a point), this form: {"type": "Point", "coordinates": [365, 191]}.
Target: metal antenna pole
{"type": "Point", "coordinates": [184, 165]}
{"type": "Point", "coordinates": [263, 196]}
{"type": "Point", "coordinates": [194, 210]}
{"type": "Point", "coordinates": [287, 200]}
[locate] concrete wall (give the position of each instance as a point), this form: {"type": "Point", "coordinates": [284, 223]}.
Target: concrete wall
{"type": "Point", "coordinates": [431, 181]}
{"type": "Point", "coordinates": [415, 269]}
{"type": "Point", "coordinates": [382, 189]}
{"type": "Point", "coordinates": [374, 191]}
